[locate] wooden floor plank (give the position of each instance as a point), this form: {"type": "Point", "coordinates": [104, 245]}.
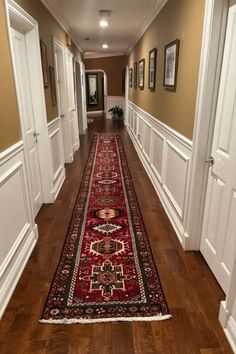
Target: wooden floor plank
{"type": "Point", "coordinates": [191, 291]}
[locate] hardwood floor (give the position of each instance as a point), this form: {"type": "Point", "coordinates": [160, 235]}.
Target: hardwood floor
{"type": "Point", "coordinates": [191, 291]}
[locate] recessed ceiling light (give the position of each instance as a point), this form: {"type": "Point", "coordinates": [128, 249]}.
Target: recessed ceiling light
{"type": "Point", "coordinates": [103, 23]}
{"type": "Point", "coordinates": [105, 46]}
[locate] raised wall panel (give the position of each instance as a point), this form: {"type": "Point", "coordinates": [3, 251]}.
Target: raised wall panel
{"type": "Point", "coordinates": [176, 176]}
{"type": "Point", "coordinates": [158, 142]}
{"type": "Point", "coordinates": [18, 232]}
{"type": "Point", "coordinates": [165, 155]}
{"type": "Point", "coordinates": [55, 135]}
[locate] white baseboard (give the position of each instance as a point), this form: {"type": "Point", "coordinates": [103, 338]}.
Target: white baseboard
{"type": "Point", "coordinates": [94, 113]}
{"type": "Point", "coordinates": [165, 155]}
{"type": "Point", "coordinates": [230, 332]}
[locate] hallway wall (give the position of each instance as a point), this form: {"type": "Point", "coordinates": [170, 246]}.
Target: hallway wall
{"type": "Point", "coordinates": [181, 19]}
{"type": "Point", "coordinates": [48, 27]}
{"type": "Point", "coordinates": [114, 68]}
{"type": "Point", "coordinates": [9, 119]}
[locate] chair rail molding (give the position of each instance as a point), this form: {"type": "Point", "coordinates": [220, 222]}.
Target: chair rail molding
{"type": "Point", "coordinates": [163, 152]}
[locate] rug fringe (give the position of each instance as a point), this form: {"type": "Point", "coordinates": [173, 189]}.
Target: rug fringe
{"type": "Point", "coordinates": [102, 320]}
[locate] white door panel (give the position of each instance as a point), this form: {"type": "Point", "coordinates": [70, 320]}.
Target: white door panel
{"type": "Point", "coordinates": [218, 243]}
{"type": "Point", "coordinates": [27, 116]}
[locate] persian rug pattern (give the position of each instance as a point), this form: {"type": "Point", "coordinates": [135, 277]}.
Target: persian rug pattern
{"type": "Point", "coordinates": [106, 271]}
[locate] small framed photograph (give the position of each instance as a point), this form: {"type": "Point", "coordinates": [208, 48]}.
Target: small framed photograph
{"type": "Point", "coordinates": [92, 87]}
{"type": "Point", "coordinates": [44, 58]}
{"type": "Point", "coordinates": [171, 64]}
{"type": "Point", "coordinates": [53, 85]}
{"type": "Point", "coordinates": [141, 70]}
{"type": "Point", "coordinates": [130, 77]}
{"type": "Point", "coordinates": [152, 69]}
{"type": "Point", "coordinates": [135, 75]}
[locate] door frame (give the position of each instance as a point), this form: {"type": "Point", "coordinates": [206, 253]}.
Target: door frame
{"type": "Point", "coordinates": [19, 19]}
{"type": "Point", "coordinates": [62, 113]}
{"type": "Point", "coordinates": [214, 30]}
{"type": "Point", "coordinates": [215, 24]}
{"type": "Point", "coordinates": [82, 92]}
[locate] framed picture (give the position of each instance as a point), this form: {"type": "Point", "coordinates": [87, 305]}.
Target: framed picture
{"type": "Point", "coordinates": [92, 87]}
{"type": "Point", "coordinates": [53, 85]}
{"type": "Point", "coordinates": [130, 77]}
{"type": "Point", "coordinates": [44, 58]}
{"type": "Point", "coordinates": [152, 69]}
{"type": "Point", "coordinates": [141, 69]}
{"type": "Point", "coordinates": [135, 75]}
{"type": "Point", "coordinates": [171, 64]}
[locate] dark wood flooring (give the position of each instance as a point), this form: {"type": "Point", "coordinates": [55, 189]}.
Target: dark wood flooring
{"type": "Point", "coordinates": [192, 293]}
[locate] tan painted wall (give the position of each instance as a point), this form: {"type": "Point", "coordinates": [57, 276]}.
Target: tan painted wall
{"type": "Point", "coordinates": [9, 122]}
{"type": "Point", "coordinates": [113, 67]}
{"type": "Point", "coordinates": [48, 27]}
{"type": "Point", "coordinates": [182, 19]}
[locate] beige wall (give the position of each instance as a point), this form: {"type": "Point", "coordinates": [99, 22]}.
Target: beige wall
{"type": "Point", "coordinates": [48, 27]}
{"type": "Point", "coordinates": [114, 68]}
{"type": "Point", "coordinates": [182, 19]}
{"type": "Point", "coordinates": [9, 122]}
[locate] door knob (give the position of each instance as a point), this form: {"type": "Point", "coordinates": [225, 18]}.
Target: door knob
{"type": "Point", "coordinates": [210, 161]}
{"type": "Point", "coordinates": [35, 134]}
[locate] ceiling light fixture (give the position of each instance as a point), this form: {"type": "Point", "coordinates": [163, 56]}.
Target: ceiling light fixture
{"type": "Point", "coordinates": [105, 46]}
{"type": "Point", "coordinates": [103, 23]}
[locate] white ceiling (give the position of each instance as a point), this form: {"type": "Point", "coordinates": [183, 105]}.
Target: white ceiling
{"type": "Point", "coordinates": [128, 20]}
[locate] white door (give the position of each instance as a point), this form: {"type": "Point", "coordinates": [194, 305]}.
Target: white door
{"type": "Point", "coordinates": [28, 124]}
{"type": "Point", "coordinates": [218, 243]}
{"type": "Point", "coordinates": [71, 107]}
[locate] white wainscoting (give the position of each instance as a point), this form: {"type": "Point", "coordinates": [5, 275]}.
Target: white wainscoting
{"type": "Point", "coordinates": [56, 140]}
{"type": "Point", "coordinates": [166, 156]}
{"type": "Point", "coordinates": [114, 101]}
{"type": "Point", "coordinates": [18, 232]}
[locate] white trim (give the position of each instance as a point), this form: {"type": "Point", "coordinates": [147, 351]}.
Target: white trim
{"type": "Point", "coordinates": [61, 23]}
{"type": "Point", "coordinates": [209, 77]}
{"type": "Point", "coordinates": [20, 19]}
{"type": "Point", "coordinates": [153, 10]}
{"type": "Point", "coordinates": [11, 152]}
{"type": "Point", "coordinates": [95, 55]}
{"type": "Point", "coordinates": [230, 333]}
{"type": "Point", "coordinates": [90, 113]}
{"type": "Point", "coordinates": [148, 134]}
{"type": "Point", "coordinates": [176, 135]}
{"type": "Point", "coordinates": [53, 122]}
{"type": "Point", "coordinates": [103, 320]}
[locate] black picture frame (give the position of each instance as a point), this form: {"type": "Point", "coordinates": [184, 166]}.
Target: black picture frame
{"type": "Point", "coordinates": [171, 60]}
{"type": "Point", "coordinates": [130, 77]}
{"type": "Point", "coordinates": [152, 69]}
{"type": "Point", "coordinates": [53, 85]}
{"type": "Point", "coordinates": [141, 73]}
{"type": "Point", "coordinates": [135, 74]}
{"type": "Point", "coordinates": [92, 89]}
{"type": "Point", "coordinates": [44, 59]}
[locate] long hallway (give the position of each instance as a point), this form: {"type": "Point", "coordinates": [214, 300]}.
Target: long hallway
{"type": "Point", "coordinates": [191, 291]}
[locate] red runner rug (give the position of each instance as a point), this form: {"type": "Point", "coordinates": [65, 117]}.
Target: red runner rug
{"type": "Point", "coordinates": [106, 271]}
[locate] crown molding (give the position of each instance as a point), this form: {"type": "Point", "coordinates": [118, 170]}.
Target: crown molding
{"type": "Point", "coordinates": [93, 55]}
{"type": "Point", "coordinates": [61, 23]}
{"type": "Point", "coordinates": [148, 18]}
